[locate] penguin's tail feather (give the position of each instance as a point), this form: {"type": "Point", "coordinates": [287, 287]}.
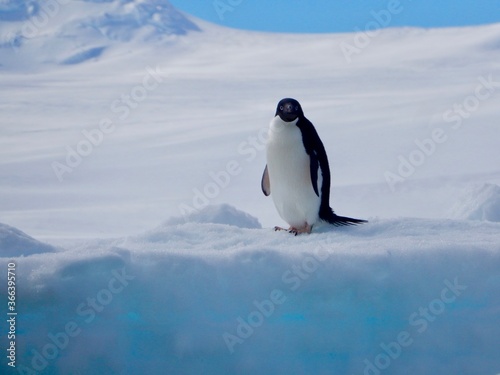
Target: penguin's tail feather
{"type": "Point", "coordinates": [330, 217]}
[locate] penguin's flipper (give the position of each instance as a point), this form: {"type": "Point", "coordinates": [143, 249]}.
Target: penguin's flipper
{"type": "Point", "coordinates": [314, 166]}
{"type": "Point", "coordinates": [265, 184]}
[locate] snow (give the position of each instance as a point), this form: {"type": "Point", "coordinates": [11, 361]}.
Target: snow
{"type": "Point", "coordinates": [479, 203]}
{"type": "Point", "coordinates": [220, 214]}
{"type": "Point", "coordinates": [131, 152]}
{"type": "Point", "coordinates": [15, 243]}
{"type": "Point", "coordinates": [204, 297]}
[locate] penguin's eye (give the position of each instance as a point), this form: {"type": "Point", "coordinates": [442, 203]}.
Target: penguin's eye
{"type": "Point", "coordinates": [296, 108]}
{"type": "Point", "coordinates": [281, 108]}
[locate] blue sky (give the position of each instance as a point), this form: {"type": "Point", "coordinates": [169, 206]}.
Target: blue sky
{"type": "Point", "coordinates": [341, 15]}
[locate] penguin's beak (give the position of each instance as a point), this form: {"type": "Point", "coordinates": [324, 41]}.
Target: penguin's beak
{"type": "Point", "coordinates": [288, 108]}
{"type": "Point", "coordinates": [288, 113]}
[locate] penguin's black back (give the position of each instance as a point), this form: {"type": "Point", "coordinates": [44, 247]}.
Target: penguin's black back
{"type": "Point", "coordinates": [316, 151]}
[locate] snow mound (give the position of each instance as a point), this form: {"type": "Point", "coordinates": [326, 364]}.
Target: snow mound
{"type": "Point", "coordinates": [15, 243]}
{"type": "Point", "coordinates": [479, 203]}
{"type": "Point", "coordinates": [380, 298]}
{"type": "Point", "coordinates": [224, 214]}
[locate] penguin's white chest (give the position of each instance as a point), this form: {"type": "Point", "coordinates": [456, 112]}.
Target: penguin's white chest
{"type": "Point", "coordinates": [290, 176]}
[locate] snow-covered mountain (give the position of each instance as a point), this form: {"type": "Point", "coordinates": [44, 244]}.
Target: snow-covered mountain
{"type": "Point", "coordinates": [132, 138]}
{"type": "Point", "coordinates": [71, 32]}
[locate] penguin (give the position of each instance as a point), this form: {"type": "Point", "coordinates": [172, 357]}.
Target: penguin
{"type": "Point", "coordinates": [297, 171]}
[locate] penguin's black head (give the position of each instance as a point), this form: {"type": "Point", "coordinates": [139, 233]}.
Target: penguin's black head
{"type": "Point", "coordinates": [289, 110]}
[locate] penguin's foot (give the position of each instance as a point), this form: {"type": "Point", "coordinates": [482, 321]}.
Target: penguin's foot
{"type": "Point", "coordinates": [295, 231]}
{"type": "Point", "coordinates": [289, 230]}
{"type": "Point", "coordinates": [305, 229]}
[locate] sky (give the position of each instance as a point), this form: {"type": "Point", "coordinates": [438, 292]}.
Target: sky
{"type": "Point", "coordinates": [324, 16]}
